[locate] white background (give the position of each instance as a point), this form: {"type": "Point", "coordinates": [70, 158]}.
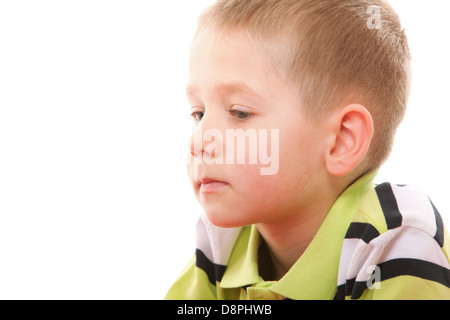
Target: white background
{"type": "Point", "coordinates": [94, 198]}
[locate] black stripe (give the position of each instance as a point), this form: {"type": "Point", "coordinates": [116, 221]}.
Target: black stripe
{"type": "Point", "coordinates": [416, 268]}
{"type": "Point", "coordinates": [439, 236]}
{"type": "Point", "coordinates": [389, 205]}
{"type": "Point", "coordinates": [349, 287]}
{"type": "Point", "coordinates": [214, 271]}
{"type": "Point", "coordinates": [363, 231]}
{"type": "Point", "coordinates": [400, 267]}
{"type": "Point", "coordinates": [352, 288]}
{"type": "Point", "coordinates": [340, 292]}
{"type": "Point", "coordinates": [358, 289]}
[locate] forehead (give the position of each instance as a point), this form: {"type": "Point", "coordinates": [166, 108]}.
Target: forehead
{"type": "Point", "coordinates": [228, 64]}
{"type": "Point", "coordinates": [212, 49]}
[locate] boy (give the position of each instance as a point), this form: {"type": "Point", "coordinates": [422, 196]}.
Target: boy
{"type": "Point", "coordinates": [329, 79]}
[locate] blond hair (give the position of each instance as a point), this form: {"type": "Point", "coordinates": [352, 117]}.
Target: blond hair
{"type": "Point", "coordinates": [332, 52]}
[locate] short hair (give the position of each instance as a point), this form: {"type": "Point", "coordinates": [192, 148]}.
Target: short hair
{"type": "Point", "coordinates": [333, 52]}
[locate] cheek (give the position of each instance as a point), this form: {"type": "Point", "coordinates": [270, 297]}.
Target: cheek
{"type": "Point", "coordinates": [293, 159]}
{"type": "Point", "coordinates": [255, 191]}
{"type": "Point", "coordinates": [299, 148]}
{"type": "Point", "coordinates": [299, 161]}
{"type": "Point", "coordinates": [247, 176]}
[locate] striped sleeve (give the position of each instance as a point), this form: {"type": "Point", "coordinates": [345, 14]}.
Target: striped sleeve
{"type": "Point", "coordinates": [407, 258]}
{"type": "Point", "coordinates": [199, 279]}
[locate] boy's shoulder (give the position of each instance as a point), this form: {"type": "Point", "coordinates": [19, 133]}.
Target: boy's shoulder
{"type": "Point", "coordinates": [388, 206]}
{"type": "Point", "coordinates": [398, 239]}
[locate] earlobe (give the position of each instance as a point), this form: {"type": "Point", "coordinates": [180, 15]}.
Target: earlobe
{"type": "Point", "coordinates": [351, 137]}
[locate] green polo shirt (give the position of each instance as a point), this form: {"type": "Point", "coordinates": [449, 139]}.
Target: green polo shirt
{"type": "Point", "coordinates": [364, 249]}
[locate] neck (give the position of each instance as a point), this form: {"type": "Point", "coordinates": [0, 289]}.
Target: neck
{"type": "Point", "coordinates": [285, 241]}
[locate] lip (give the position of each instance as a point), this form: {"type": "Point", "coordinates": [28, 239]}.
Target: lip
{"type": "Point", "coordinates": [210, 185]}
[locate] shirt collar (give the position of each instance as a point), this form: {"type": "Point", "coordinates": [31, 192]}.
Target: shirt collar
{"type": "Point", "coordinates": [242, 267]}
{"type": "Point", "coordinates": [314, 275]}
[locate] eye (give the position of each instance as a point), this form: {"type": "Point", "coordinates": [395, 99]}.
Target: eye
{"type": "Point", "coordinates": [241, 112]}
{"type": "Point", "coordinates": [197, 115]}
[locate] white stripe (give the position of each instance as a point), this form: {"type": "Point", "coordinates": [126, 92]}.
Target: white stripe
{"type": "Point", "coordinates": [203, 239]}
{"type": "Point", "coordinates": [216, 243]}
{"type": "Point", "coordinates": [358, 257]}
{"type": "Point", "coordinates": [415, 208]}
{"type": "Point", "coordinates": [360, 261]}
{"type": "Point", "coordinates": [407, 242]}
{"type": "Point", "coordinates": [402, 243]}
{"type": "Point", "coordinates": [348, 265]}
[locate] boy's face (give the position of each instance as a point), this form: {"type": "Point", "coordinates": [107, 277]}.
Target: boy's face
{"type": "Point", "coordinates": [234, 86]}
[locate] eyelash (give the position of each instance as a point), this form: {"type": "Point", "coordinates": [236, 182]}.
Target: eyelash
{"type": "Point", "coordinates": [237, 112]}
{"type": "Point", "coordinates": [234, 113]}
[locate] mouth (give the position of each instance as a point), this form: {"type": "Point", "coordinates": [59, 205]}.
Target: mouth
{"type": "Point", "coordinates": [210, 185]}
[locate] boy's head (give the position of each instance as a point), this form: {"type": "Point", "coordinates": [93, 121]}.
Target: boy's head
{"type": "Point", "coordinates": [332, 75]}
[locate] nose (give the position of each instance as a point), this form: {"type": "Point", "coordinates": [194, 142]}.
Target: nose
{"type": "Point", "coordinates": [196, 142]}
{"type": "Point", "coordinates": [205, 140]}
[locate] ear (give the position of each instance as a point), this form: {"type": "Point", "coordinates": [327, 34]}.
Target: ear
{"type": "Point", "coordinates": [350, 137]}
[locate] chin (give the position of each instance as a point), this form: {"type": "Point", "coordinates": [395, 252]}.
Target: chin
{"type": "Point", "coordinates": [222, 220]}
